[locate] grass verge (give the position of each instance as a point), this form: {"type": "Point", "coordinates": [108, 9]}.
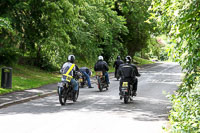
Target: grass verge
{"type": "Point", "coordinates": [26, 77]}
{"type": "Point", "coordinates": [142, 61]}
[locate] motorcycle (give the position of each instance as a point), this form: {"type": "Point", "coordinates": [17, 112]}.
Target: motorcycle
{"type": "Point", "coordinates": [101, 81]}
{"type": "Point", "coordinates": [66, 92]}
{"type": "Point", "coordinates": [82, 81]}
{"type": "Point", "coordinates": [126, 92]}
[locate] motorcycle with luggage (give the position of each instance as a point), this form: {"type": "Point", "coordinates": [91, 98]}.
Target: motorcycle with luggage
{"type": "Point", "coordinates": [101, 81]}
{"type": "Point", "coordinates": [126, 92]}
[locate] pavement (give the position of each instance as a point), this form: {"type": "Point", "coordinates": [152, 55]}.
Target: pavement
{"type": "Point", "coordinates": [34, 93]}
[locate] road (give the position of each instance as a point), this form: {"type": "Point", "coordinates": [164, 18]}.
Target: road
{"type": "Point", "coordinates": [100, 112]}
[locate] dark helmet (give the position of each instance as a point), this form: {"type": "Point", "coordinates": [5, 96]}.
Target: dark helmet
{"type": "Point", "coordinates": [128, 59]}
{"type": "Point", "coordinates": [118, 57]}
{"type": "Point", "coordinates": [71, 58]}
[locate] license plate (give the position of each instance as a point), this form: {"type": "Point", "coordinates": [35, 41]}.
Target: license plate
{"type": "Point", "coordinates": [125, 84]}
{"type": "Point", "coordinates": [80, 80]}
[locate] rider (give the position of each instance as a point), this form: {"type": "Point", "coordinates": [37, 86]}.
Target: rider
{"type": "Point", "coordinates": [87, 73]}
{"type": "Point", "coordinates": [128, 73]}
{"type": "Point", "coordinates": [102, 66]}
{"type": "Point", "coordinates": [74, 72]}
{"type": "Point", "coordinates": [116, 64]}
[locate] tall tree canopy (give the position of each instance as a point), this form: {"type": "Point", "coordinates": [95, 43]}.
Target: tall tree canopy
{"type": "Point", "coordinates": [136, 14]}
{"type": "Point", "coordinates": [46, 31]}
{"type": "Point", "coordinates": [180, 20]}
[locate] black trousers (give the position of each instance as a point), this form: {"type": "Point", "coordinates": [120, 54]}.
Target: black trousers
{"type": "Point", "coordinates": [116, 69]}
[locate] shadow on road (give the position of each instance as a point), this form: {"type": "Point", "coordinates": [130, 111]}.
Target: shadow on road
{"type": "Point", "coordinates": [139, 109]}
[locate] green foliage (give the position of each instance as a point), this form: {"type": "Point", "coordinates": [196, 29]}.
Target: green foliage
{"type": "Point", "coordinates": [180, 21]}
{"type": "Point", "coordinates": [8, 56]}
{"type": "Point", "coordinates": [48, 31]}
{"type": "Point", "coordinates": [4, 23]}
{"type": "Point", "coordinates": [185, 113]}
{"type": "Point", "coordinates": [136, 14]}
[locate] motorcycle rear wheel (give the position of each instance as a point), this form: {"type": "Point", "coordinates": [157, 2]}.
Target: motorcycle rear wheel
{"type": "Point", "coordinates": [126, 100]}
{"type": "Point", "coordinates": [99, 84]}
{"type": "Point", "coordinates": [82, 85]}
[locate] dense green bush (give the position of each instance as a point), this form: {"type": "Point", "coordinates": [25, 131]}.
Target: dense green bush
{"type": "Point", "coordinates": [8, 56]}
{"type": "Point", "coordinates": [185, 113]}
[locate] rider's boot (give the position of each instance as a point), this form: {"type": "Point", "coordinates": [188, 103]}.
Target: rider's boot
{"type": "Point", "coordinates": [134, 93]}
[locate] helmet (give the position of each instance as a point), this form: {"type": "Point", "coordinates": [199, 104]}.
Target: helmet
{"type": "Point", "coordinates": [118, 57]}
{"type": "Point", "coordinates": [128, 59]}
{"type": "Point", "coordinates": [100, 58]}
{"type": "Point", "coordinates": [71, 58]}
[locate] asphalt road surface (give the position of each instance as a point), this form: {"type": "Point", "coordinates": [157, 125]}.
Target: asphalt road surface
{"type": "Point", "coordinates": [100, 112]}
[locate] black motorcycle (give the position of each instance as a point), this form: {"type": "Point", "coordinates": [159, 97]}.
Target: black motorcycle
{"type": "Point", "coordinates": [101, 81]}
{"type": "Point", "coordinates": [82, 81]}
{"type": "Point", "coordinates": [66, 92]}
{"type": "Point", "coordinates": [126, 92]}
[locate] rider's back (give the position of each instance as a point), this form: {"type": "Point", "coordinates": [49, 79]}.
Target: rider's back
{"type": "Point", "coordinates": [117, 63]}
{"type": "Point", "coordinates": [126, 71]}
{"type": "Point", "coordinates": [101, 66]}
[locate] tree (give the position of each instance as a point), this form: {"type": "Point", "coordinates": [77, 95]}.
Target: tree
{"type": "Point", "coordinates": [136, 14]}
{"type": "Point", "coordinates": [180, 21]}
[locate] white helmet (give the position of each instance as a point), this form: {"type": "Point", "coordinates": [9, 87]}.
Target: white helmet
{"type": "Point", "coordinates": [100, 58]}
{"type": "Point", "coordinates": [71, 58]}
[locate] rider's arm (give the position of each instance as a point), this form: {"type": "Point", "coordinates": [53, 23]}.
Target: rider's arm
{"type": "Point", "coordinates": [76, 68]}
{"type": "Point", "coordinates": [106, 66]}
{"type": "Point", "coordinates": [136, 71]}
{"type": "Point", "coordinates": [61, 69]}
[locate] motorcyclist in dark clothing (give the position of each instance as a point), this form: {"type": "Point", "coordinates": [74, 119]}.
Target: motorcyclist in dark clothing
{"type": "Point", "coordinates": [87, 73]}
{"type": "Point", "coordinates": [116, 64]}
{"type": "Point", "coordinates": [128, 73]}
{"type": "Point", "coordinates": [102, 66]}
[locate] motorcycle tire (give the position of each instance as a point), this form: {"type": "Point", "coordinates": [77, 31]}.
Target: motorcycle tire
{"type": "Point", "coordinates": [76, 96]}
{"type": "Point", "coordinates": [99, 84]}
{"type": "Point", "coordinates": [82, 85]}
{"type": "Point", "coordinates": [62, 98]}
{"type": "Point", "coordinates": [126, 100]}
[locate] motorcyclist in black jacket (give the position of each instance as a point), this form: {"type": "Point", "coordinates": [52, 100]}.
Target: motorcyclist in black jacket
{"type": "Point", "coordinates": [116, 64]}
{"type": "Point", "coordinates": [128, 73]}
{"type": "Point", "coordinates": [102, 66]}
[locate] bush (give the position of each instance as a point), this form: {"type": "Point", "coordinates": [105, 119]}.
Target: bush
{"type": "Point", "coordinates": [185, 114]}
{"type": "Point", "coordinates": [8, 56]}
